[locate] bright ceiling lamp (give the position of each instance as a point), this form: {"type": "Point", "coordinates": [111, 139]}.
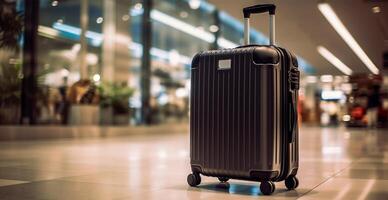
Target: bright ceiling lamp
{"type": "Point", "coordinates": [96, 38]}
{"type": "Point", "coordinates": [182, 26]}
{"type": "Point", "coordinates": [334, 60]}
{"type": "Point", "coordinates": [224, 43]}
{"type": "Point", "coordinates": [333, 19]}
{"type": "Point", "coordinates": [194, 4]}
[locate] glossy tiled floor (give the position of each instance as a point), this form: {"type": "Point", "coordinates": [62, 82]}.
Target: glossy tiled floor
{"type": "Point", "coordinates": [335, 163]}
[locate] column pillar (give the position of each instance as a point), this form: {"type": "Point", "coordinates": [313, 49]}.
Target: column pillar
{"type": "Point", "coordinates": [84, 20]}
{"type": "Point", "coordinates": [108, 48]}
{"type": "Point", "coordinates": [145, 80]}
{"type": "Point", "coordinates": [29, 87]}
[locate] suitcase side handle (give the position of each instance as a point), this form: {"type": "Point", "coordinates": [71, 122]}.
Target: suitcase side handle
{"type": "Point", "coordinates": [294, 119]}
{"type": "Point", "coordinates": [259, 9]}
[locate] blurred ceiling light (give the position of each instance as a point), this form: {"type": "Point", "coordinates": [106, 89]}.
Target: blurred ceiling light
{"type": "Point", "coordinates": [64, 72]}
{"type": "Point", "coordinates": [97, 39]}
{"type": "Point", "coordinates": [125, 17]}
{"type": "Point", "coordinates": [47, 31]}
{"type": "Point", "coordinates": [326, 78]}
{"type": "Point", "coordinates": [183, 14]}
{"type": "Point", "coordinates": [99, 20]}
{"type": "Point", "coordinates": [159, 53]}
{"type": "Point", "coordinates": [94, 36]}
{"type": "Point", "coordinates": [214, 28]}
{"type": "Point", "coordinates": [376, 9]}
{"type": "Point", "coordinates": [311, 79]}
{"type": "Point", "coordinates": [96, 77]}
{"type": "Point", "coordinates": [194, 4]}
{"type": "Point", "coordinates": [138, 6]}
{"type": "Point", "coordinates": [224, 43]}
{"type": "Point", "coordinates": [54, 3]}
{"type": "Point", "coordinates": [182, 26]}
{"type": "Point", "coordinates": [334, 60]}
{"type": "Point", "coordinates": [197, 32]}
{"type": "Point", "coordinates": [336, 23]}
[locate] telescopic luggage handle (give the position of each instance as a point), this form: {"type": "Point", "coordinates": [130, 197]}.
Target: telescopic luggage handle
{"type": "Point", "coordinates": [260, 9]}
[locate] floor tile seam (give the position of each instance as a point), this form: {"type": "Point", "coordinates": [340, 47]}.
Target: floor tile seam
{"type": "Point", "coordinates": [7, 179]}
{"type": "Point", "coordinates": [75, 176]}
{"type": "Point", "coordinates": [49, 179]}
{"type": "Point", "coordinates": [20, 182]}
{"type": "Point", "coordinates": [107, 184]}
{"type": "Point", "coordinates": [20, 179]}
{"type": "Point", "coordinates": [17, 184]}
{"type": "Point", "coordinates": [327, 179]}
{"type": "Point", "coordinates": [70, 181]}
{"type": "Point", "coordinates": [39, 169]}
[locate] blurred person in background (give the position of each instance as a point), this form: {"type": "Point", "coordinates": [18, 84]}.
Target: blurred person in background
{"type": "Point", "coordinates": [62, 107]}
{"type": "Point", "coordinates": [373, 106]}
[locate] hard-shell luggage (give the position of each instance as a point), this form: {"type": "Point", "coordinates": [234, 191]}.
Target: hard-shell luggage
{"type": "Point", "coordinates": [243, 112]}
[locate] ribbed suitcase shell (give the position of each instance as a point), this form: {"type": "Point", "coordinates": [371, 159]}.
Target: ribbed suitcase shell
{"type": "Point", "coordinates": [239, 117]}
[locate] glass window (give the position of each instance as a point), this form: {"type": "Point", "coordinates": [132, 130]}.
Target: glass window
{"type": "Point", "coordinates": [11, 48]}
{"type": "Point", "coordinates": [180, 29]}
{"type": "Point", "coordinates": [179, 32]}
{"type": "Point", "coordinates": [59, 56]}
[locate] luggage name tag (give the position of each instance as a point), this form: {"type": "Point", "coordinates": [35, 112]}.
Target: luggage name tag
{"type": "Point", "coordinates": [224, 64]}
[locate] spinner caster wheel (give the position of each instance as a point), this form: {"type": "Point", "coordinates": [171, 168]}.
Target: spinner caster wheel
{"type": "Point", "coordinates": [267, 187]}
{"type": "Point", "coordinates": [223, 183]}
{"type": "Point", "coordinates": [291, 182]}
{"type": "Point", "coordinates": [223, 179]}
{"type": "Point", "coordinates": [193, 179]}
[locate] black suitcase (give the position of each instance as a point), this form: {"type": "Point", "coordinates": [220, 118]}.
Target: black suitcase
{"type": "Point", "coordinates": [243, 112]}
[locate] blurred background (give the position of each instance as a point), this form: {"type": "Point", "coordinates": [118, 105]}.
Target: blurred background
{"type": "Point", "coordinates": [80, 72]}
{"type": "Point", "coordinates": [127, 62]}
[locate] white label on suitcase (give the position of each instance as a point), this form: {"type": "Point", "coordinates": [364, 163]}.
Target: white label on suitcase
{"type": "Point", "coordinates": [224, 64]}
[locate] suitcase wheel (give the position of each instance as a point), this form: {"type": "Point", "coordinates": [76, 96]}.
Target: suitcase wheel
{"type": "Point", "coordinates": [223, 179]}
{"type": "Point", "coordinates": [291, 182]}
{"type": "Point", "coordinates": [223, 183]}
{"type": "Point", "coordinates": [267, 187]}
{"type": "Point", "coordinates": [193, 179]}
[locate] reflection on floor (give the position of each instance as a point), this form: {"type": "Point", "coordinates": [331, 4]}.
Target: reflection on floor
{"type": "Point", "coordinates": [335, 163]}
